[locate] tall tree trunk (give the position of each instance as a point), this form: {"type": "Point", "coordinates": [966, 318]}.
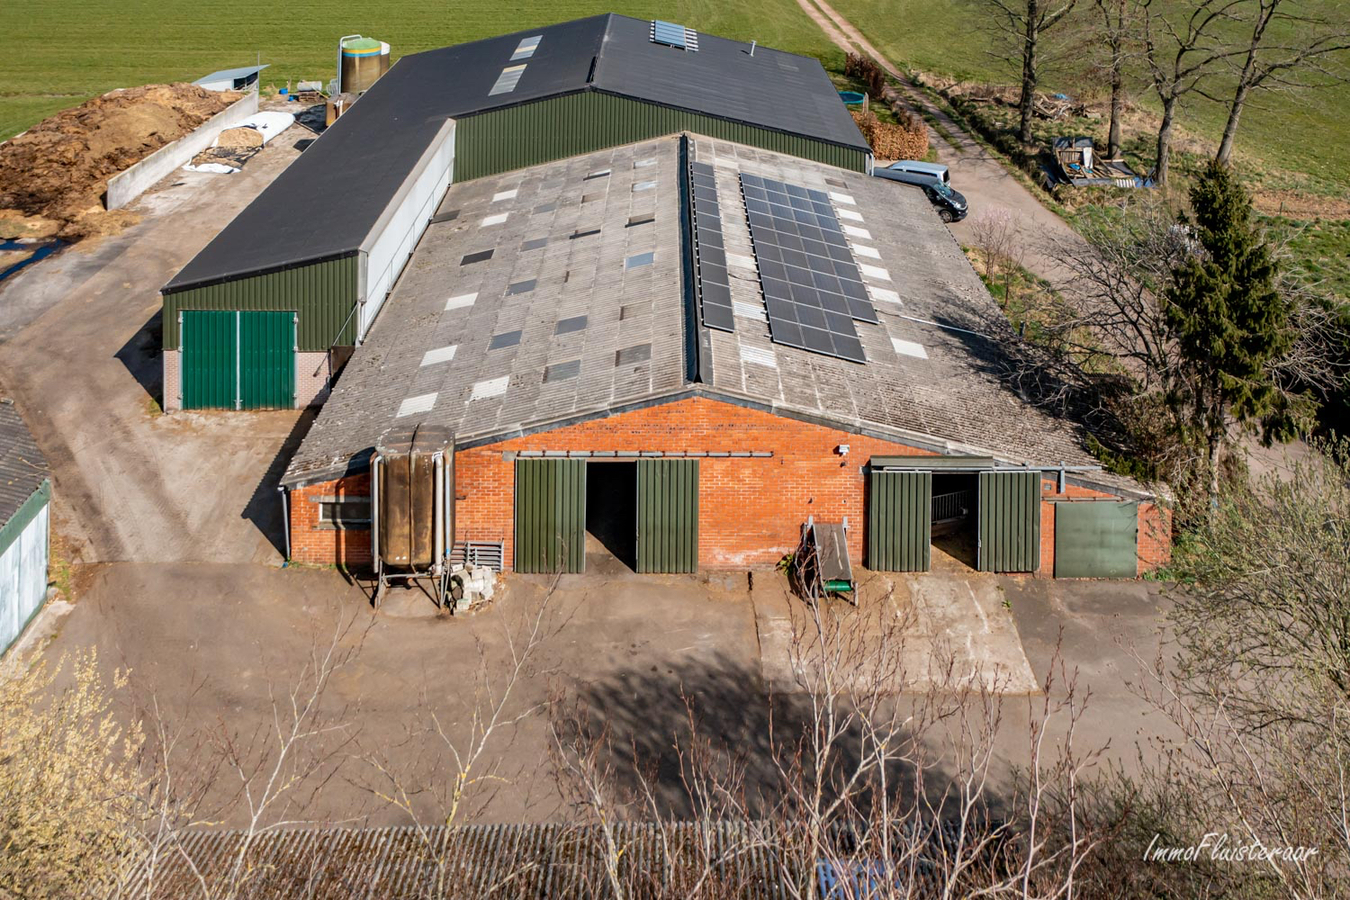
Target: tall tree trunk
{"type": "Point", "coordinates": [1117, 35]}
{"type": "Point", "coordinates": [1161, 162]}
{"type": "Point", "coordinates": [1215, 442]}
{"type": "Point", "coordinates": [1028, 98]}
{"type": "Point", "coordinates": [1117, 101]}
{"type": "Point", "coordinates": [1231, 126]}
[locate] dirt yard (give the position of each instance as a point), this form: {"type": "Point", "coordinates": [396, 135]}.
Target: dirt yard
{"type": "Point", "coordinates": [52, 177]}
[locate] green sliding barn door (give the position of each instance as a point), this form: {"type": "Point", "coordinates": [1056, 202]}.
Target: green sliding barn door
{"type": "Point", "coordinates": [236, 359]}
{"type": "Point", "coordinates": [1096, 539]}
{"type": "Point", "coordinates": [900, 521]}
{"type": "Point", "coordinates": [550, 515]}
{"type": "Point", "coordinates": [1010, 521]}
{"type": "Point", "coordinates": [266, 360]}
{"type": "Point", "coordinates": [667, 515]}
{"type": "Point", "coordinates": [209, 350]}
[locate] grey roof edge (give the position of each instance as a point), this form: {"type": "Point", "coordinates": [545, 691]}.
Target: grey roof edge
{"type": "Point", "coordinates": [359, 461]}
{"type": "Point", "coordinates": [445, 132]}
{"type": "Point", "coordinates": [236, 72]}
{"type": "Point", "coordinates": [173, 288]}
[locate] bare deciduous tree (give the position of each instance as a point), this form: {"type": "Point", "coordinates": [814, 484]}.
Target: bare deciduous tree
{"type": "Point", "coordinates": [468, 766]}
{"type": "Point", "coordinates": [1024, 24]}
{"type": "Point", "coordinates": [1184, 46]}
{"type": "Point", "coordinates": [1284, 48]}
{"type": "Point", "coordinates": [1116, 38]}
{"type": "Point", "coordinates": [864, 791]}
{"type": "Point", "coordinates": [1259, 688]}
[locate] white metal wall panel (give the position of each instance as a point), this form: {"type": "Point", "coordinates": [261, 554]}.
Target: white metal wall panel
{"type": "Point", "coordinates": [23, 578]}
{"type": "Point", "coordinates": [393, 239]}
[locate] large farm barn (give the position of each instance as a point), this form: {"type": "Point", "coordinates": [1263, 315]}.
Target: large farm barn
{"type": "Point", "coordinates": [646, 281]}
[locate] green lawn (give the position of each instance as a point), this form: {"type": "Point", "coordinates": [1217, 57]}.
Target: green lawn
{"type": "Point", "coordinates": [1307, 133]}
{"type": "Point", "coordinates": [64, 51]}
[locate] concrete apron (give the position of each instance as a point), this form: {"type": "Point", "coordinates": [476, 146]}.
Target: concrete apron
{"type": "Point", "coordinates": [954, 632]}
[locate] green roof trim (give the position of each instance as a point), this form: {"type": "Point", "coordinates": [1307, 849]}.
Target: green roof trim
{"type": "Point", "coordinates": [10, 531]}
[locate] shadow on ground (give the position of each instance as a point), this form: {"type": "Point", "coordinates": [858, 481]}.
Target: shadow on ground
{"type": "Point", "coordinates": [654, 718]}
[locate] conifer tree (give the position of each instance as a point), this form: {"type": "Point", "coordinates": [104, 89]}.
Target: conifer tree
{"type": "Point", "coordinates": [1229, 322]}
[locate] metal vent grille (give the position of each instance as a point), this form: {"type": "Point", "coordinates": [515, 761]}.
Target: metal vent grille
{"type": "Point", "coordinates": [478, 553]}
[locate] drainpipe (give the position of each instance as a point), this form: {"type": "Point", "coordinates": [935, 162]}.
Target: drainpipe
{"type": "Point", "coordinates": [285, 522]}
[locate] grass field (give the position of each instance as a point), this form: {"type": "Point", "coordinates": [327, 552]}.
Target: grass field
{"type": "Point", "coordinates": [1307, 133]}
{"type": "Point", "coordinates": [63, 52]}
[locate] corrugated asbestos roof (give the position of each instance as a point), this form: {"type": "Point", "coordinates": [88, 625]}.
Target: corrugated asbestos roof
{"type": "Point", "coordinates": [22, 466]}
{"type": "Point", "coordinates": [516, 861]}
{"type": "Point", "coordinates": [556, 327]}
{"type": "Point", "coordinates": [328, 200]}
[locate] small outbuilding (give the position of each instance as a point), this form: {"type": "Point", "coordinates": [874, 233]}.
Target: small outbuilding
{"type": "Point", "coordinates": [25, 525]}
{"type": "Point", "coordinates": [240, 79]}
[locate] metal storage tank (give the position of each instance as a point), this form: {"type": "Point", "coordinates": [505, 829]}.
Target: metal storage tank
{"type": "Point", "coordinates": [414, 470]}
{"type": "Point", "coordinates": [361, 62]}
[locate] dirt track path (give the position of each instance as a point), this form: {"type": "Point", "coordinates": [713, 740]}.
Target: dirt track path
{"type": "Point", "coordinates": [79, 352]}
{"type": "Point", "coordinates": [975, 172]}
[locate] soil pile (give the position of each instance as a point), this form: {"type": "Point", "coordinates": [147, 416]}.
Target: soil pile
{"type": "Point", "coordinates": [58, 170]}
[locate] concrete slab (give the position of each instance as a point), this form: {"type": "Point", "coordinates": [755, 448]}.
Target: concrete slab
{"type": "Point", "coordinates": [208, 641]}
{"type": "Point", "coordinates": [951, 631]}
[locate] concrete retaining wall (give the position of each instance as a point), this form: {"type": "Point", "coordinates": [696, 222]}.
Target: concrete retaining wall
{"type": "Point", "coordinates": [126, 186]}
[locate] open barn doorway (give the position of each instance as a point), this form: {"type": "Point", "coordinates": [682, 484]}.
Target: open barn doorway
{"type": "Point", "coordinates": [956, 498]}
{"type": "Point", "coordinates": [611, 515]}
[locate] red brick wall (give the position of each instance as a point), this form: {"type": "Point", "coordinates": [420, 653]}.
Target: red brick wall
{"type": "Point", "coordinates": [1155, 526]}
{"type": "Point", "coordinates": [324, 545]}
{"type": "Point", "coordinates": [750, 510]}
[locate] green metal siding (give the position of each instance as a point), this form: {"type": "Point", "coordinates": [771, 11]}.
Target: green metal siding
{"type": "Point", "coordinates": [25, 514]}
{"type": "Point", "coordinates": [1096, 539]}
{"type": "Point", "coordinates": [557, 128]}
{"type": "Point", "coordinates": [267, 360]}
{"type": "Point", "coordinates": [550, 515]}
{"type": "Point", "coordinates": [324, 294]}
{"type": "Point", "coordinates": [900, 521]}
{"type": "Point", "coordinates": [210, 344]}
{"type": "Point", "coordinates": [1010, 521]}
{"type": "Point", "coordinates": [667, 515]}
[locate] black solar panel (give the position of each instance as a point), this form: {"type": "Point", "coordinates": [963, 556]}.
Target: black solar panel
{"type": "Point", "coordinates": [813, 289]}
{"type": "Point", "coordinates": [710, 258]}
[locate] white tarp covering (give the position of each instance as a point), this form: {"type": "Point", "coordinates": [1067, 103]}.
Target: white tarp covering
{"type": "Point", "coordinates": [268, 124]}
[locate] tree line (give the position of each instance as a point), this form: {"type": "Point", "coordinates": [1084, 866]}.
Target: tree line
{"type": "Point", "coordinates": [1225, 51]}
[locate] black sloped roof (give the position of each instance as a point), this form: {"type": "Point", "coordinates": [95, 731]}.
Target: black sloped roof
{"type": "Point", "coordinates": [22, 466]}
{"type": "Point", "coordinates": [326, 202]}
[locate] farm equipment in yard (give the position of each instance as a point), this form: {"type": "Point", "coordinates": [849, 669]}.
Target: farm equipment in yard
{"type": "Point", "coordinates": [821, 566]}
{"type": "Point", "coordinates": [1076, 163]}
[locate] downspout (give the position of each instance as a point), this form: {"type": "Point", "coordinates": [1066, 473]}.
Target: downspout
{"type": "Point", "coordinates": [285, 522]}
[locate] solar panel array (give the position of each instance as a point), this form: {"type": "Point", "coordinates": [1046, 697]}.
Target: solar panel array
{"type": "Point", "coordinates": [673, 35]}
{"type": "Point", "coordinates": [812, 287]}
{"type": "Point", "coordinates": [710, 257]}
